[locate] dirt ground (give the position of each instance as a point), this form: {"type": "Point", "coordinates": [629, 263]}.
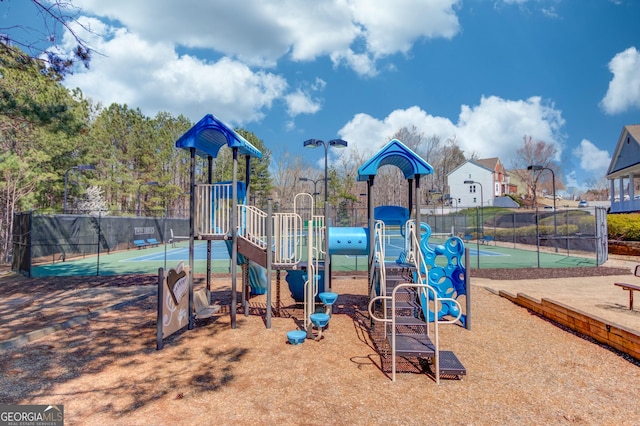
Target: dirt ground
{"type": "Point", "coordinates": [90, 344]}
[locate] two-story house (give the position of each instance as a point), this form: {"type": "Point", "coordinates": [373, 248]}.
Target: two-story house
{"type": "Point", "coordinates": [479, 182]}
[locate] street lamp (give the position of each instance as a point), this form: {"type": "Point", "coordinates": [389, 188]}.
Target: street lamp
{"type": "Point", "coordinates": [472, 182]}
{"type": "Point", "coordinates": [536, 168]}
{"type": "Point", "coordinates": [314, 143]}
{"type": "Point", "coordinates": [152, 183]}
{"type": "Point", "coordinates": [433, 192]}
{"type": "Point", "coordinates": [315, 190]}
{"type": "Point", "coordinates": [450, 198]}
{"type": "Point", "coordinates": [80, 167]}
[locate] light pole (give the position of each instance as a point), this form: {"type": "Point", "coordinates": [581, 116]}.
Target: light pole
{"type": "Point", "coordinates": [314, 143]}
{"type": "Point", "coordinates": [435, 205]}
{"type": "Point", "coordinates": [152, 183]}
{"type": "Point", "coordinates": [315, 190]}
{"type": "Point", "coordinates": [536, 168]}
{"type": "Point", "coordinates": [450, 198]}
{"type": "Point", "coordinates": [80, 167]}
{"type": "Point", "coordinates": [472, 182]}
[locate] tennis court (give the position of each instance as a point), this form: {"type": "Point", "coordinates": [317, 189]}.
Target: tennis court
{"type": "Point", "coordinates": [149, 260]}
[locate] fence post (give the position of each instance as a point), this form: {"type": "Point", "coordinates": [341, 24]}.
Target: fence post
{"type": "Point", "coordinates": [538, 235]}
{"type": "Point", "coordinates": [98, 249]}
{"type": "Point", "coordinates": [514, 229]}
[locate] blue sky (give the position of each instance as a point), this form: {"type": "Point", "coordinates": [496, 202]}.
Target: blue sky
{"type": "Point", "coordinates": [485, 72]}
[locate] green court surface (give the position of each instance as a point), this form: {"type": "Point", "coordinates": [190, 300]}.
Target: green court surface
{"type": "Point", "coordinates": [149, 260]}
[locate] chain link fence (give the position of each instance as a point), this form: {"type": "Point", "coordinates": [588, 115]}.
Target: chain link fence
{"type": "Point", "coordinates": [40, 238]}
{"type": "Point", "coordinates": [50, 238]}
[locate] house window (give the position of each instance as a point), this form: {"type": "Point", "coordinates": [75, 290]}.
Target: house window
{"type": "Point", "coordinates": [472, 189]}
{"type": "Point", "coordinates": [474, 200]}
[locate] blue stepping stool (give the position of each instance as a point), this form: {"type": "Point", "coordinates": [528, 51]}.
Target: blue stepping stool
{"type": "Point", "coordinates": [295, 337]}
{"type": "Point", "coordinates": [319, 319]}
{"type": "Point", "coordinates": [328, 297]}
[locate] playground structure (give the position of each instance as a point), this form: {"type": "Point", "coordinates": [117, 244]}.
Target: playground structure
{"type": "Point", "coordinates": [418, 282]}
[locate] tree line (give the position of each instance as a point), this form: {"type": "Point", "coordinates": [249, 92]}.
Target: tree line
{"type": "Point", "coordinates": [115, 160]}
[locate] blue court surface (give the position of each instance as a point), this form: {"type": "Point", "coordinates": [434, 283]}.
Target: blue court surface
{"type": "Point", "coordinates": [219, 251]}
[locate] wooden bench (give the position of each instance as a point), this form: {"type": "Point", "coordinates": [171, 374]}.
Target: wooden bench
{"type": "Point", "coordinates": [630, 287]}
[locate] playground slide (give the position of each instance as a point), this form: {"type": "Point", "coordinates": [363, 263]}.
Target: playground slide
{"type": "Point", "coordinates": [257, 277]}
{"type": "Point", "coordinates": [257, 274]}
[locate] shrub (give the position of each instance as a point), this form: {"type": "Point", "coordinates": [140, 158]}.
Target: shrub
{"type": "Point", "coordinates": [624, 227]}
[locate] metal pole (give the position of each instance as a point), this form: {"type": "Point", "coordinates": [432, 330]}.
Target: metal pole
{"type": "Point", "coordinates": [482, 206]}
{"type": "Point", "coordinates": [555, 211]}
{"type": "Point", "coordinates": [234, 241]}
{"type": "Point", "coordinates": [98, 255]}
{"type": "Point", "coordinates": [192, 212]}
{"type": "Point", "coordinates": [209, 181]}
{"type": "Point", "coordinates": [538, 235]}
{"type": "Point", "coordinates": [64, 204]}
{"type": "Point", "coordinates": [327, 257]}
{"type": "Point", "coordinates": [478, 237]}
{"type": "Point", "coordinates": [269, 258]}
{"type": "Point", "coordinates": [467, 285]}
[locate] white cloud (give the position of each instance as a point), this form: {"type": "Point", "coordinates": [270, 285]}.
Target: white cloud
{"type": "Point", "coordinates": [624, 88]}
{"type": "Point", "coordinates": [390, 27]}
{"type": "Point", "coordinates": [592, 159]}
{"type": "Point", "coordinates": [259, 33]}
{"type": "Point", "coordinates": [143, 55]}
{"type": "Point", "coordinates": [361, 63]}
{"type": "Point", "coordinates": [152, 77]}
{"type": "Point", "coordinates": [300, 103]}
{"type": "Point", "coordinates": [494, 128]}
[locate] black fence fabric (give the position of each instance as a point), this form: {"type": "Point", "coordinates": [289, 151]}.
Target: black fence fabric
{"type": "Point", "coordinates": [61, 237]}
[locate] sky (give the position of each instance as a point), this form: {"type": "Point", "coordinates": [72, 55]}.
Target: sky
{"type": "Point", "coordinates": [485, 72]}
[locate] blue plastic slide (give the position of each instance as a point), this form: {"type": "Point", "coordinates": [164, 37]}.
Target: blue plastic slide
{"type": "Point", "coordinates": [257, 274]}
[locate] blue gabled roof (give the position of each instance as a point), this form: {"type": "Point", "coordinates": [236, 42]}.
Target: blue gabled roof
{"type": "Point", "coordinates": [395, 153]}
{"type": "Point", "coordinates": [209, 134]}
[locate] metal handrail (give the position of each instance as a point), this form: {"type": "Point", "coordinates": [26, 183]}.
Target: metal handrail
{"type": "Point", "coordinates": [392, 320]}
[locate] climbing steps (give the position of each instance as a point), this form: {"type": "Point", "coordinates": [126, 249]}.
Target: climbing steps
{"type": "Point", "coordinates": [408, 336]}
{"type": "Point", "coordinates": [318, 320]}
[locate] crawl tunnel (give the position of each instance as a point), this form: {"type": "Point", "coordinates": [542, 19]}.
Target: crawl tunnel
{"type": "Point", "coordinates": [342, 241]}
{"type": "Point", "coordinates": [348, 241]}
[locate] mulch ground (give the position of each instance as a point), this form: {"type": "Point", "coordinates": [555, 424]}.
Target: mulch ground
{"type": "Point", "coordinates": [521, 368]}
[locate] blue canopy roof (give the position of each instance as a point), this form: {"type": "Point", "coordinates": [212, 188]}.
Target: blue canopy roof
{"type": "Point", "coordinates": [395, 153]}
{"type": "Point", "coordinates": [209, 134]}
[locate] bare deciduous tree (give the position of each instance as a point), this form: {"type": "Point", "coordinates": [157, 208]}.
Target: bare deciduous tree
{"type": "Point", "coordinates": [537, 153]}
{"type": "Point", "coordinates": [39, 42]}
